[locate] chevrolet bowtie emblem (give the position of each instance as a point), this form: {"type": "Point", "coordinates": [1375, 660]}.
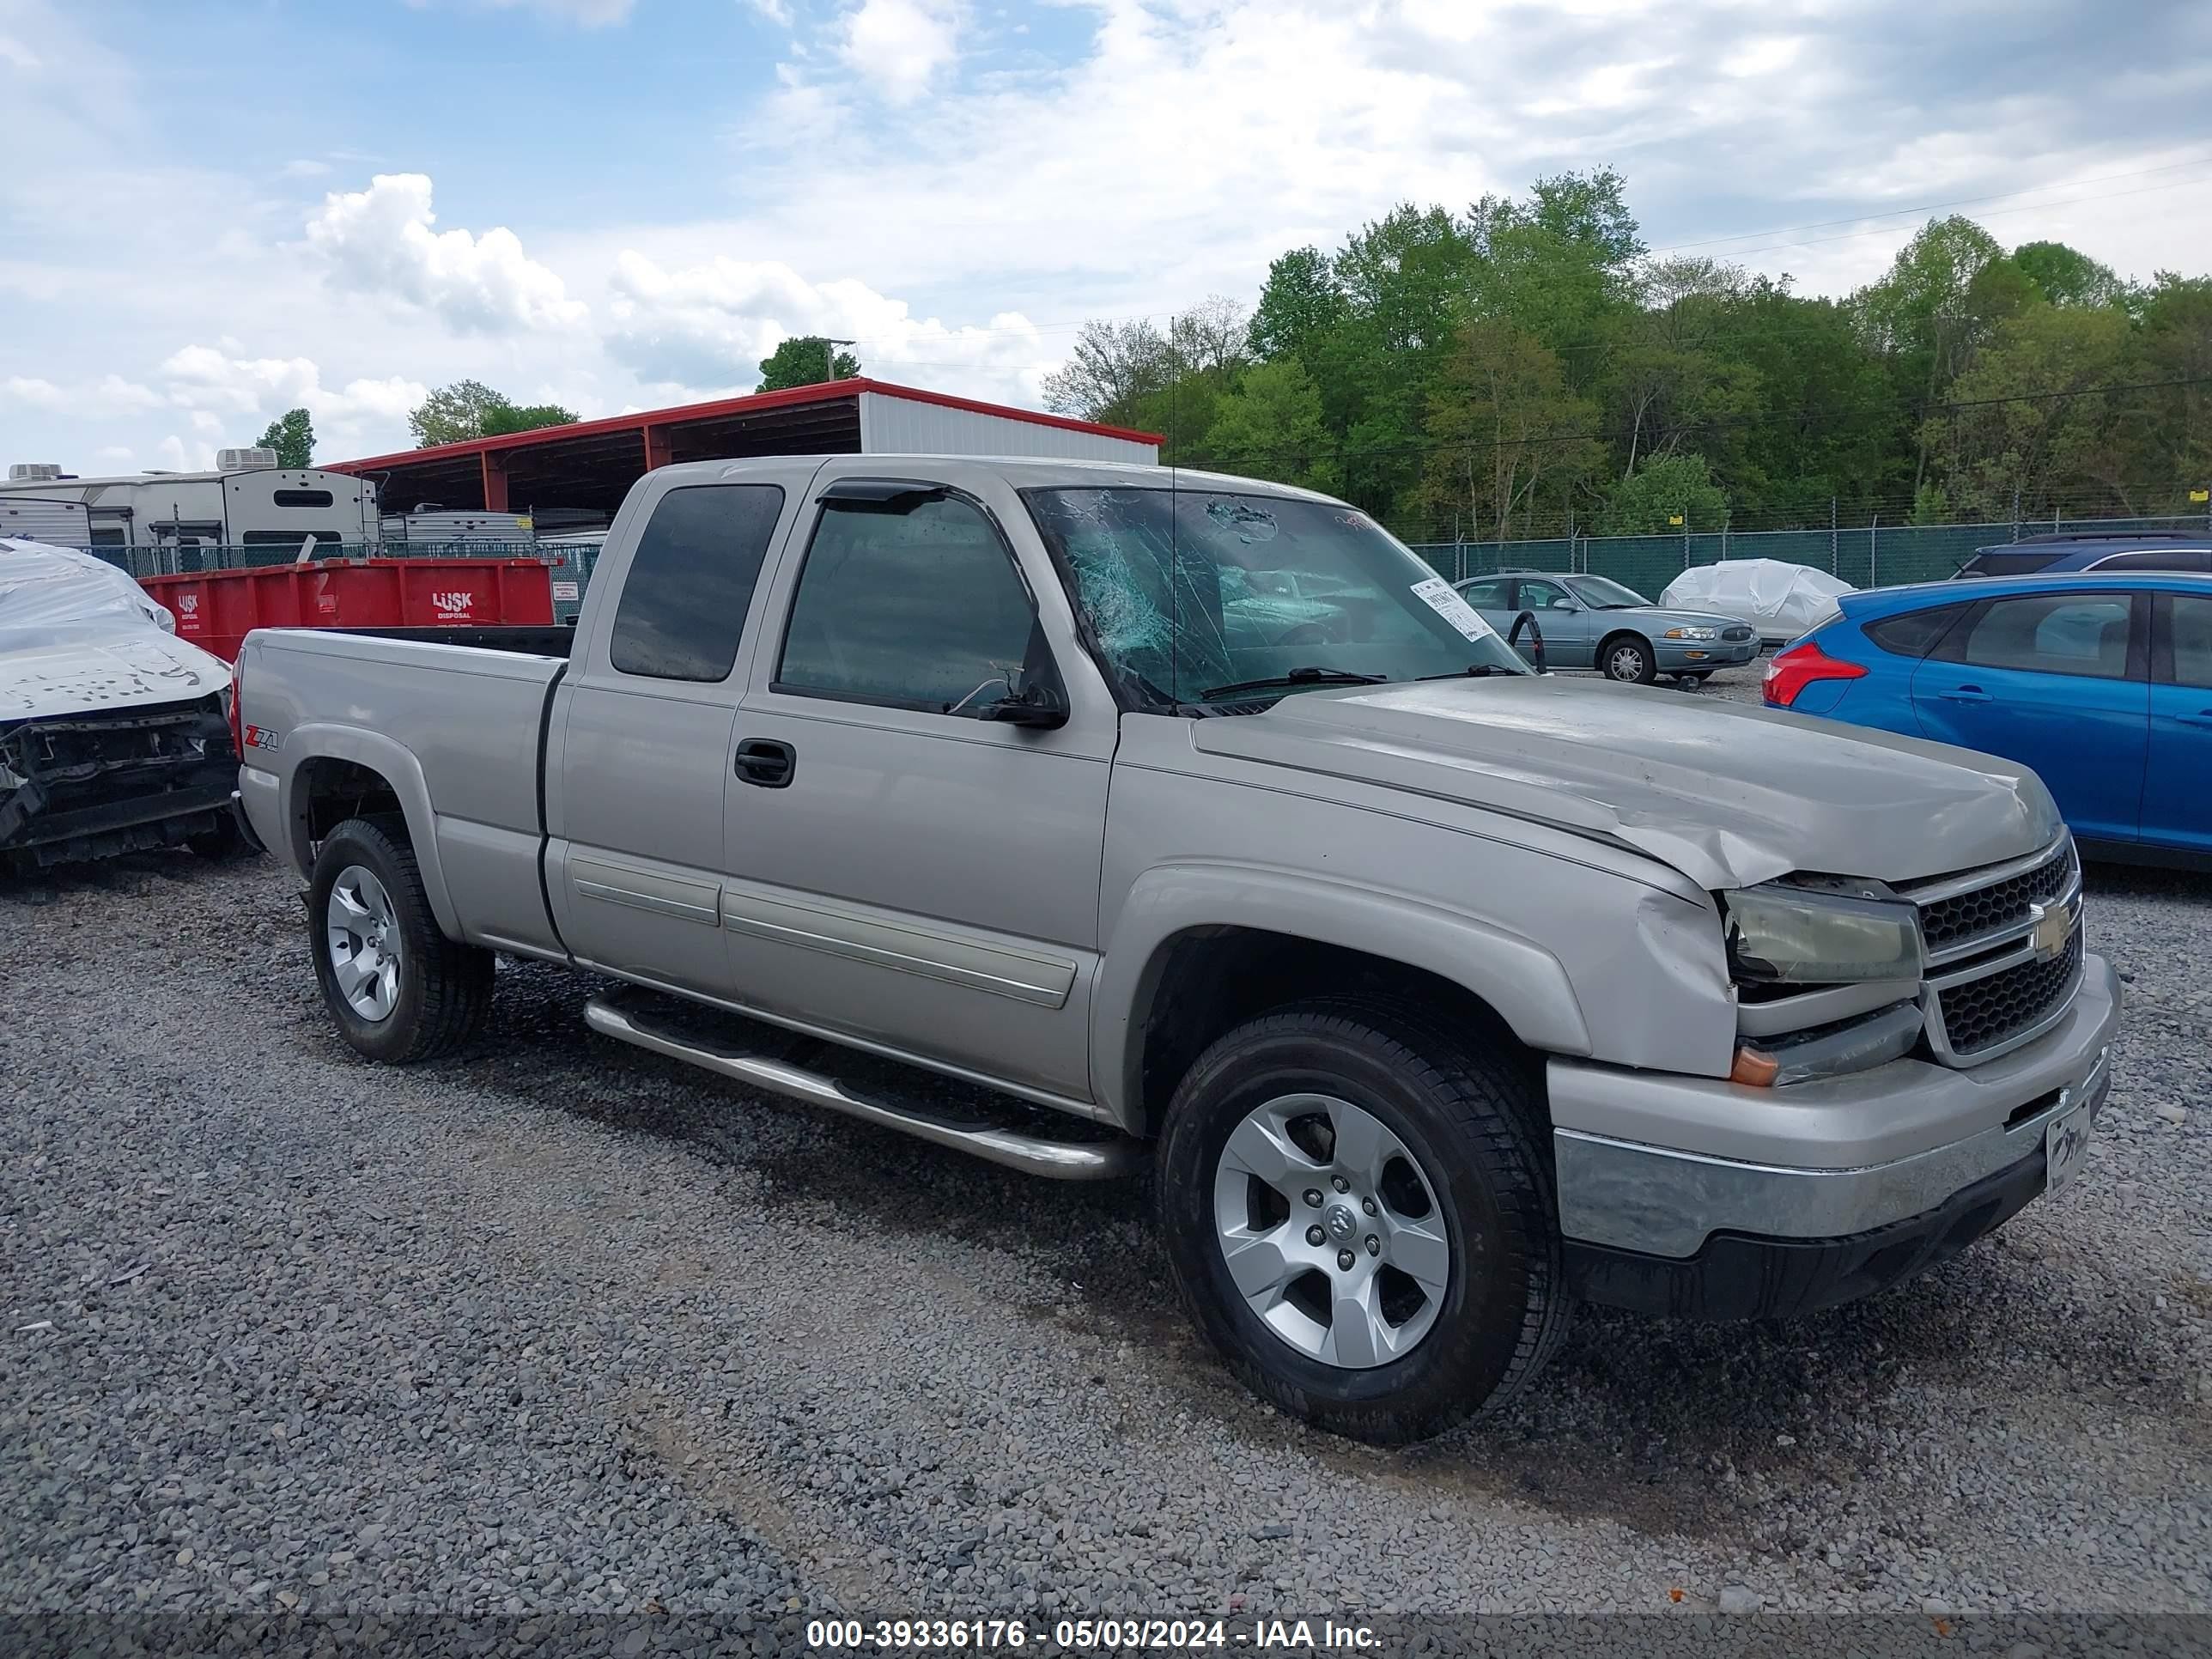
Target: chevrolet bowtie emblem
{"type": "Point", "coordinates": [2052, 928]}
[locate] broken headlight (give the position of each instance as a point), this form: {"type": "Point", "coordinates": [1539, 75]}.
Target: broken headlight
{"type": "Point", "coordinates": [1784, 935]}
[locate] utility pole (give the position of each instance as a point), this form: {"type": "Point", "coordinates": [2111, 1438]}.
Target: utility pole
{"type": "Point", "coordinates": [829, 356]}
{"type": "Point", "coordinates": [1831, 535]}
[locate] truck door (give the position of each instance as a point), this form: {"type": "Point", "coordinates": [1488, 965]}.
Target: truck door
{"type": "Point", "coordinates": [899, 867]}
{"type": "Point", "coordinates": [639, 737]}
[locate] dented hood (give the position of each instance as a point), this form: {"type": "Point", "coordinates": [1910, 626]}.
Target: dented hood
{"type": "Point", "coordinates": [76, 669]}
{"type": "Point", "coordinates": [1725, 793]}
{"type": "Point", "coordinates": [77, 635]}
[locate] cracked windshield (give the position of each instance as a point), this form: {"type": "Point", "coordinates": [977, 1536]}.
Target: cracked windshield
{"type": "Point", "coordinates": [1199, 597]}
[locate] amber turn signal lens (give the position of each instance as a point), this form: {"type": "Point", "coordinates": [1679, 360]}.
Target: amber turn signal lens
{"type": "Point", "coordinates": [1753, 1068]}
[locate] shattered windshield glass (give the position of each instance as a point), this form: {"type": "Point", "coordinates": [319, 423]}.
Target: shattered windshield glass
{"type": "Point", "coordinates": [1192, 592]}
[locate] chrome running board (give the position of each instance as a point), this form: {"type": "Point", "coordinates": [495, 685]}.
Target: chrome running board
{"type": "Point", "coordinates": [1058, 1160]}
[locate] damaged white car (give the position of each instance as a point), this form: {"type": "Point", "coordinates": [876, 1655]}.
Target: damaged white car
{"type": "Point", "coordinates": [114, 734]}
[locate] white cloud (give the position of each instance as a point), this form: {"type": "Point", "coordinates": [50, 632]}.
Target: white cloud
{"type": "Point", "coordinates": [898, 46]}
{"type": "Point", "coordinates": [303, 168]}
{"type": "Point", "coordinates": [776, 11]}
{"type": "Point", "coordinates": [211, 384]}
{"type": "Point", "coordinates": [378, 241]}
{"type": "Point", "coordinates": [706, 327]}
{"type": "Point", "coordinates": [106, 395]}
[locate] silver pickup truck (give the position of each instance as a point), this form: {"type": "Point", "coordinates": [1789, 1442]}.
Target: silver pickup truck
{"type": "Point", "coordinates": [1446, 993]}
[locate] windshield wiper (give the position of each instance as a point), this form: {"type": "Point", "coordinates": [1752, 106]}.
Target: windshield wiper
{"type": "Point", "coordinates": [1309, 675]}
{"type": "Point", "coordinates": [1473, 670]}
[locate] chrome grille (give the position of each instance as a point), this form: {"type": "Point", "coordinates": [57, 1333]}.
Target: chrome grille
{"type": "Point", "coordinates": [1996, 979]}
{"type": "Point", "coordinates": [2003, 904]}
{"type": "Point", "coordinates": [1978, 1014]}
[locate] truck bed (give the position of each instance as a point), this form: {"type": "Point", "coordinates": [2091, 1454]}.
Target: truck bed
{"type": "Point", "coordinates": [458, 727]}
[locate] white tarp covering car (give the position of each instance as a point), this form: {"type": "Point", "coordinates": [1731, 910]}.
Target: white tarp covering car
{"type": "Point", "coordinates": [113, 735]}
{"type": "Point", "coordinates": [1780, 600]}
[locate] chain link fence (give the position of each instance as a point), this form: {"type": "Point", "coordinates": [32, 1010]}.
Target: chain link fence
{"type": "Point", "coordinates": [1869, 556]}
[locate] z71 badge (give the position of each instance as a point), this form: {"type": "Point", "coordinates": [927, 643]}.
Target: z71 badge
{"type": "Point", "coordinates": [260, 736]}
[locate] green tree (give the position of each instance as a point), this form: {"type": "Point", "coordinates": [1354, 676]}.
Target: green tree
{"type": "Point", "coordinates": [2033, 423]}
{"type": "Point", "coordinates": [1507, 431]}
{"type": "Point", "coordinates": [1562, 265]}
{"type": "Point", "coordinates": [1300, 303]}
{"type": "Point", "coordinates": [1827, 428]}
{"type": "Point", "coordinates": [1670, 487]}
{"type": "Point", "coordinates": [1668, 383]}
{"type": "Point", "coordinates": [1114, 365]}
{"type": "Point", "coordinates": [2067, 276]}
{"type": "Point", "coordinates": [1929, 310]}
{"type": "Point", "coordinates": [470, 408]}
{"type": "Point", "coordinates": [1270, 427]}
{"type": "Point", "coordinates": [291, 435]}
{"type": "Point", "coordinates": [804, 360]}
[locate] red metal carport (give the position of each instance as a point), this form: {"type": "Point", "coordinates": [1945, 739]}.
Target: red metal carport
{"type": "Point", "coordinates": [591, 464]}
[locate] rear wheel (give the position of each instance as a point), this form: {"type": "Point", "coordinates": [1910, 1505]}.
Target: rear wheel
{"type": "Point", "coordinates": [1360, 1220]}
{"type": "Point", "coordinates": [398, 989]}
{"type": "Point", "coordinates": [1628, 658]}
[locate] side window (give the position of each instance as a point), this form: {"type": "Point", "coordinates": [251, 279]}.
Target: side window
{"type": "Point", "coordinates": [915, 609]}
{"type": "Point", "coordinates": [2189, 637]}
{"type": "Point", "coordinates": [1485, 596]}
{"type": "Point", "coordinates": [684, 600]}
{"type": "Point", "coordinates": [1540, 596]}
{"type": "Point", "coordinates": [2052, 634]}
{"type": "Point", "coordinates": [1915, 633]}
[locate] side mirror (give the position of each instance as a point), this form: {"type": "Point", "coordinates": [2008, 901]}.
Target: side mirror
{"type": "Point", "coordinates": [1035, 703]}
{"type": "Point", "coordinates": [1528, 619]}
{"type": "Point", "coordinates": [1565, 604]}
{"type": "Point", "coordinates": [1036, 696]}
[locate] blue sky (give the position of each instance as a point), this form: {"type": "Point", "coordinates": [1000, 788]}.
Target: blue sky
{"type": "Point", "coordinates": [213, 209]}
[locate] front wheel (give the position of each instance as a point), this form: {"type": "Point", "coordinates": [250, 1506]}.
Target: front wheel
{"type": "Point", "coordinates": [1358, 1217]}
{"type": "Point", "coordinates": [397, 988]}
{"type": "Point", "coordinates": [1627, 659]}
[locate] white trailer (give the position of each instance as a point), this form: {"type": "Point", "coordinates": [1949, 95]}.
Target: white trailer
{"type": "Point", "coordinates": [58, 524]}
{"type": "Point", "coordinates": [248, 501]}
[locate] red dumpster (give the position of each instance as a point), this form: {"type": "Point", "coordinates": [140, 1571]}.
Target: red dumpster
{"type": "Point", "coordinates": [216, 609]}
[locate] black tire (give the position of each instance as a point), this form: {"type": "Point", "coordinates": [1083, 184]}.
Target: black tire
{"type": "Point", "coordinates": [1468, 1109]}
{"type": "Point", "coordinates": [444, 989]}
{"type": "Point", "coordinates": [1647, 664]}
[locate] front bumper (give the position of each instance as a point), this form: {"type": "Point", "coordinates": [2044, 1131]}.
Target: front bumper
{"type": "Point", "coordinates": [1678, 656]}
{"type": "Point", "coordinates": [1690, 1194]}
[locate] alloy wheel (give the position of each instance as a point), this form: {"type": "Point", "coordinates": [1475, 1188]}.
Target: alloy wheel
{"type": "Point", "coordinates": [1331, 1231]}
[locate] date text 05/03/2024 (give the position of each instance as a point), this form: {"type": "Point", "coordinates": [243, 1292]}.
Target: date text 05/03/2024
{"type": "Point", "coordinates": [1088, 1635]}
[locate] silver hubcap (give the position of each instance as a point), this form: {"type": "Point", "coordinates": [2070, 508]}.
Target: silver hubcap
{"type": "Point", "coordinates": [1626, 663]}
{"type": "Point", "coordinates": [362, 936]}
{"type": "Point", "coordinates": [1331, 1230]}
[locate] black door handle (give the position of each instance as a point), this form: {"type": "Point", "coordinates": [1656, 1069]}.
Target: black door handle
{"type": "Point", "coordinates": [767, 763]}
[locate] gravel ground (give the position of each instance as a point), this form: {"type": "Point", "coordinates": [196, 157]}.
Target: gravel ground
{"type": "Point", "coordinates": [565, 1328]}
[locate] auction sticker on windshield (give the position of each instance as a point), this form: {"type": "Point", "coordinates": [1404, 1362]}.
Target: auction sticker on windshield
{"type": "Point", "coordinates": [1439, 595]}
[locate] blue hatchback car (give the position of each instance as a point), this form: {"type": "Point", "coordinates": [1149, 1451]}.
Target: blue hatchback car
{"type": "Point", "coordinates": [2101, 681]}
